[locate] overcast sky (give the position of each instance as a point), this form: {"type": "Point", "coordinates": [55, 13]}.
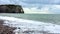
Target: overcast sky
{"type": "Point", "coordinates": [37, 6]}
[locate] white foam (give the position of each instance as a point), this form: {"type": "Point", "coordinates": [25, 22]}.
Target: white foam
{"type": "Point", "coordinates": [29, 24]}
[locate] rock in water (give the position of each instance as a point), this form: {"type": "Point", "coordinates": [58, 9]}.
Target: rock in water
{"type": "Point", "coordinates": [10, 8]}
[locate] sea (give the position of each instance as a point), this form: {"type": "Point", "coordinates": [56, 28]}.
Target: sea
{"type": "Point", "coordinates": [33, 23]}
{"type": "Point", "coordinates": [53, 18]}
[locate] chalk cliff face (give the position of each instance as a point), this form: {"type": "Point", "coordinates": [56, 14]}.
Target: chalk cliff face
{"type": "Point", "coordinates": [11, 9]}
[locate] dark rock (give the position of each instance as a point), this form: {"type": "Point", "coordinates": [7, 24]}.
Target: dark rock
{"type": "Point", "coordinates": [10, 8]}
{"type": "Point", "coordinates": [6, 29]}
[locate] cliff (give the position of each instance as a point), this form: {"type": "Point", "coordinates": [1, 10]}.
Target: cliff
{"type": "Point", "coordinates": [10, 8]}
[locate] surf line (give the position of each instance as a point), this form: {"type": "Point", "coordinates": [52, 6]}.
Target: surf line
{"type": "Point", "coordinates": [52, 28]}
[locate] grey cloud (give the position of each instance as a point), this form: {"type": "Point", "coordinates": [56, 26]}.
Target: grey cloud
{"type": "Point", "coordinates": [41, 1]}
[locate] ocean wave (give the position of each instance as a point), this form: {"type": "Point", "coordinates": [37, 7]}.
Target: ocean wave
{"type": "Point", "coordinates": [30, 25]}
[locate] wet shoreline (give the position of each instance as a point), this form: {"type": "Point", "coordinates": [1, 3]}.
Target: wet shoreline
{"type": "Point", "coordinates": [4, 29]}
{"type": "Point", "coordinates": [30, 27]}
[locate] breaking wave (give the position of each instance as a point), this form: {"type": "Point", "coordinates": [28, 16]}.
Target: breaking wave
{"type": "Point", "coordinates": [30, 26]}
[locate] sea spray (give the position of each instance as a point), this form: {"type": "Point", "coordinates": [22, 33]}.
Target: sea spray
{"type": "Point", "coordinates": [29, 26]}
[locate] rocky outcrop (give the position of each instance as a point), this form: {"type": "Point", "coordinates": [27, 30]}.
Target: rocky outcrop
{"type": "Point", "coordinates": [6, 29]}
{"type": "Point", "coordinates": [10, 8]}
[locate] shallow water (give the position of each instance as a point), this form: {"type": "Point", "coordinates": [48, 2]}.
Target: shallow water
{"type": "Point", "coordinates": [30, 26]}
{"type": "Point", "coordinates": [49, 18]}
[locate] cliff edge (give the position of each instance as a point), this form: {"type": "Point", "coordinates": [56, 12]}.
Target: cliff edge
{"type": "Point", "coordinates": [10, 8]}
